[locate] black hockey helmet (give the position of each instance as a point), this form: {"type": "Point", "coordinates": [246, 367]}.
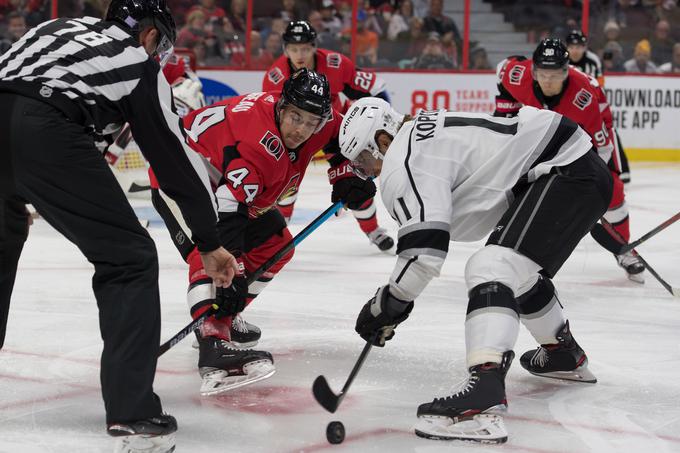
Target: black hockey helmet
{"type": "Point", "coordinates": [308, 91]}
{"type": "Point", "coordinates": [135, 15]}
{"type": "Point", "coordinates": [576, 37]}
{"type": "Point", "coordinates": [551, 53]}
{"type": "Point", "coordinates": [299, 32]}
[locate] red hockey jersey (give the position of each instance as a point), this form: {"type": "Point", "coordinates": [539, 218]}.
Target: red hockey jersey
{"type": "Point", "coordinates": [582, 100]}
{"type": "Point", "coordinates": [343, 77]}
{"type": "Point", "coordinates": [251, 165]}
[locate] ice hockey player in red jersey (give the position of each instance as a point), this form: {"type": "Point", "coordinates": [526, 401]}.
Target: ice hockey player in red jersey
{"type": "Point", "coordinates": [258, 147]}
{"type": "Point", "coordinates": [347, 83]}
{"type": "Point", "coordinates": [548, 82]}
{"type": "Point", "coordinates": [589, 63]}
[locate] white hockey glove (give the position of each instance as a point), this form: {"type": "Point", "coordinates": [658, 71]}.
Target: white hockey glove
{"type": "Point", "coordinates": [188, 96]}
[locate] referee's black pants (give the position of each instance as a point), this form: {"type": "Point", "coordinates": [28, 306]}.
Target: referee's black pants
{"type": "Point", "coordinates": [58, 169]}
{"type": "Point", "coordinates": [13, 233]}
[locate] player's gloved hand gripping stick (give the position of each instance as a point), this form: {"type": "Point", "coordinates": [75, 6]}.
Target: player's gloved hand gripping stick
{"type": "Point", "coordinates": [196, 323]}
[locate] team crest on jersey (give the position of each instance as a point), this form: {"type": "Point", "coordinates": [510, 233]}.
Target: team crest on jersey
{"type": "Point", "coordinates": [583, 99]}
{"type": "Point", "coordinates": [272, 143]}
{"type": "Point", "coordinates": [516, 74]}
{"type": "Point", "coordinates": [275, 75]}
{"type": "Point", "coordinates": [333, 60]}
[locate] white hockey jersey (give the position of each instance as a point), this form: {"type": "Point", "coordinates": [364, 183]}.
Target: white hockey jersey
{"type": "Point", "coordinates": [448, 176]}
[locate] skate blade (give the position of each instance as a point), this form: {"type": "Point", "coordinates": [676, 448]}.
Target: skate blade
{"type": "Point", "coordinates": [232, 344]}
{"type": "Point", "coordinates": [219, 381]}
{"type": "Point", "coordinates": [481, 428]}
{"type": "Point", "coordinates": [145, 444]}
{"type": "Point", "coordinates": [580, 374]}
{"type": "Point", "coordinates": [637, 278]}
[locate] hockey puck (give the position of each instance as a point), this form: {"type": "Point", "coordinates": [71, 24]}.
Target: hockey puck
{"type": "Point", "coordinates": [335, 432]}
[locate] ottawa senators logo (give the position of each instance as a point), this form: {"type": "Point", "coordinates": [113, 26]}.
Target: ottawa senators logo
{"type": "Point", "coordinates": [272, 144]}
{"type": "Point", "coordinates": [275, 76]}
{"type": "Point", "coordinates": [333, 60]}
{"type": "Point", "coordinates": [583, 99]}
{"type": "Point", "coordinates": [516, 74]}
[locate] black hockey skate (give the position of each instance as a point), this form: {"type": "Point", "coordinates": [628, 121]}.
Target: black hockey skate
{"type": "Point", "coordinates": [472, 414]}
{"type": "Point", "coordinates": [153, 435]}
{"type": "Point", "coordinates": [634, 268]}
{"type": "Point", "coordinates": [225, 368]}
{"type": "Point", "coordinates": [564, 360]}
{"type": "Point", "coordinates": [243, 333]}
{"type": "Point", "coordinates": [381, 239]}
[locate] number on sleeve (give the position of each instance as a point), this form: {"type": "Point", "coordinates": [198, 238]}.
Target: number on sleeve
{"type": "Point", "coordinates": [206, 119]}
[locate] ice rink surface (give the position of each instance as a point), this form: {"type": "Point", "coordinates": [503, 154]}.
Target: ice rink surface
{"type": "Point", "coordinates": [49, 377]}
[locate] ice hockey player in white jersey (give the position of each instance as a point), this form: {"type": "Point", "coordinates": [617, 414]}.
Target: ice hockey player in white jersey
{"type": "Point", "coordinates": [536, 184]}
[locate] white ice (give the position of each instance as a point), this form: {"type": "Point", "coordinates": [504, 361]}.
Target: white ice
{"type": "Point", "coordinates": [49, 377]}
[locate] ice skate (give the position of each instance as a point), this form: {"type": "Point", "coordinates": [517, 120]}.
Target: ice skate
{"type": "Point", "coordinates": [153, 435]}
{"type": "Point", "coordinates": [381, 239]}
{"type": "Point", "coordinates": [564, 360]}
{"type": "Point", "coordinates": [632, 265]}
{"type": "Point", "coordinates": [243, 334]}
{"type": "Point", "coordinates": [225, 368]}
{"type": "Point", "coordinates": [473, 413]}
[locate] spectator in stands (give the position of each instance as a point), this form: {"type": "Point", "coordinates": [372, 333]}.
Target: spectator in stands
{"type": "Point", "coordinates": [293, 10]}
{"type": "Point", "coordinates": [633, 18]}
{"type": "Point", "coordinates": [673, 66]}
{"type": "Point", "coordinates": [345, 13]}
{"type": "Point", "coordinates": [324, 38]}
{"type": "Point", "coordinates": [95, 8]}
{"type": "Point", "coordinates": [16, 28]}
{"type": "Point", "coordinates": [611, 32]}
{"type": "Point", "coordinates": [331, 22]}
{"type": "Point", "coordinates": [237, 15]}
{"type": "Point", "coordinates": [421, 8]}
{"type": "Point", "coordinates": [399, 20]}
{"type": "Point", "coordinates": [214, 54]}
{"type": "Point", "coordinates": [379, 19]}
{"type": "Point", "coordinates": [366, 42]}
{"type": "Point", "coordinates": [179, 9]}
{"type": "Point", "coordinates": [210, 9]}
{"type": "Point", "coordinates": [641, 59]}
{"type": "Point", "coordinates": [437, 21]}
{"type": "Point", "coordinates": [194, 30]}
{"type": "Point", "coordinates": [662, 43]}
{"type": "Point", "coordinates": [670, 11]}
{"type": "Point", "coordinates": [274, 45]}
{"type": "Point", "coordinates": [259, 58]}
{"type": "Point", "coordinates": [479, 59]}
{"type": "Point", "coordinates": [612, 58]}
{"type": "Point", "coordinates": [415, 38]}
{"type": "Point", "coordinates": [433, 56]}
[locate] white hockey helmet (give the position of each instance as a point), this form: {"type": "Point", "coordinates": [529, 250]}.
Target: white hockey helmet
{"type": "Point", "coordinates": [364, 119]}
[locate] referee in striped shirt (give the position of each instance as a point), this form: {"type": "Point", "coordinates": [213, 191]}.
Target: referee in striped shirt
{"type": "Point", "coordinates": [65, 80]}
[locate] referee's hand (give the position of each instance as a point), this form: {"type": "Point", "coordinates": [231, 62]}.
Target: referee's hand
{"type": "Point", "coordinates": [220, 265]}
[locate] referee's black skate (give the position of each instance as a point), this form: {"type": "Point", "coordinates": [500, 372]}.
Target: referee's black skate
{"type": "Point", "coordinates": [381, 239]}
{"type": "Point", "coordinates": [153, 435]}
{"type": "Point", "coordinates": [564, 360]}
{"type": "Point", "coordinates": [473, 413]}
{"type": "Point", "coordinates": [225, 368]}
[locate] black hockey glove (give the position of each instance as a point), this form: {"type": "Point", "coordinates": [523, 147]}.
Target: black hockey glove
{"type": "Point", "coordinates": [232, 300]}
{"type": "Point", "coordinates": [348, 187]}
{"type": "Point", "coordinates": [382, 314]}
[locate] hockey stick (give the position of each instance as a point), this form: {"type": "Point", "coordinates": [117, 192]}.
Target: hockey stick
{"type": "Point", "coordinates": [606, 226]}
{"type": "Point", "coordinates": [603, 238]}
{"type": "Point", "coordinates": [322, 391]}
{"type": "Point", "coordinates": [196, 323]}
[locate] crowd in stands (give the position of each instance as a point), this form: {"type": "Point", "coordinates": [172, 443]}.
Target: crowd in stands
{"type": "Point", "coordinates": [641, 36]}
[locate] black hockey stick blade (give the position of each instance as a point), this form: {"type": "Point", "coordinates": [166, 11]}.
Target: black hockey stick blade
{"type": "Point", "coordinates": [134, 187]}
{"type": "Point", "coordinates": [675, 292]}
{"type": "Point", "coordinates": [325, 396]}
{"type": "Point", "coordinates": [322, 391]}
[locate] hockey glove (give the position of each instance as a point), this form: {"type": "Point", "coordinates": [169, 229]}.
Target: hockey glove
{"type": "Point", "coordinates": [232, 300]}
{"type": "Point", "coordinates": [348, 187]}
{"type": "Point", "coordinates": [382, 314]}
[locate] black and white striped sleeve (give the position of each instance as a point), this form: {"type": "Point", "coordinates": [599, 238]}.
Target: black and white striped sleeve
{"type": "Point", "coordinates": [181, 173]}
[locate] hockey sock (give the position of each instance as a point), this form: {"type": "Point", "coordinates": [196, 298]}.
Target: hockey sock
{"type": "Point", "coordinates": [492, 324]}
{"type": "Point", "coordinates": [541, 311]}
{"type": "Point", "coordinates": [366, 216]}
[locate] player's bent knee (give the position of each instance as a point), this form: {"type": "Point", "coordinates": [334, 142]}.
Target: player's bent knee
{"type": "Point", "coordinates": [501, 264]}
